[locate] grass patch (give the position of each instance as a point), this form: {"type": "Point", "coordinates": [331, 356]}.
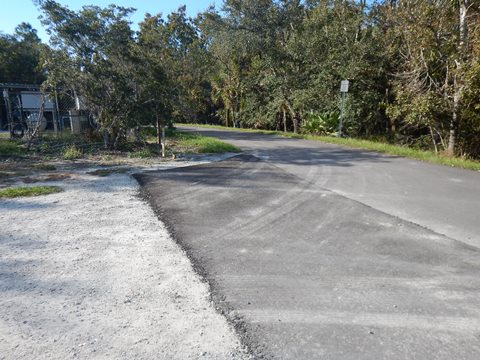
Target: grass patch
{"type": "Point", "coordinates": [142, 154]}
{"type": "Point", "coordinates": [72, 152]}
{"type": "Point", "coordinates": [381, 147]}
{"type": "Point", "coordinates": [10, 148]}
{"type": "Point", "coordinates": [196, 143]}
{"type": "Point", "coordinates": [24, 191]}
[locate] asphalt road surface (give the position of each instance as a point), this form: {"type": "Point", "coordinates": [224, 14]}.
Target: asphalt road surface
{"type": "Point", "coordinates": [445, 200]}
{"type": "Point", "coordinates": [307, 270]}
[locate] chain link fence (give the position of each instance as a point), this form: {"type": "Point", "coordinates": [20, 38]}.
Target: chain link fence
{"type": "Point", "coordinates": [24, 107]}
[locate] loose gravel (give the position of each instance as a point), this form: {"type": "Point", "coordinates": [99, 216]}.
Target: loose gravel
{"type": "Point", "coordinates": [91, 273]}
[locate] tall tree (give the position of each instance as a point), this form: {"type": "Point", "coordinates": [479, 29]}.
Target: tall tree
{"type": "Point", "coordinates": [20, 56]}
{"type": "Point", "coordinates": [98, 43]}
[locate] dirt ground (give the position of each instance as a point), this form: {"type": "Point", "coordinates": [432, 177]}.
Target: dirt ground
{"type": "Point", "coordinates": [91, 273]}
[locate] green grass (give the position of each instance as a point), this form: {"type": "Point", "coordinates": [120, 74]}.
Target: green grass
{"type": "Point", "coordinates": [142, 154]}
{"type": "Point", "coordinates": [381, 147]}
{"type": "Point", "coordinates": [196, 143]}
{"type": "Point", "coordinates": [72, 152]}
{"type": "Point", "coordinates": [10, 148]}
{"type": "Point", "coordinates": [22, 191]}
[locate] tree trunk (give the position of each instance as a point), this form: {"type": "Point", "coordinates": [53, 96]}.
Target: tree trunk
{"type": "Point", "coordinates": [56, 115]}
{"type": "Point", "coordinates": [227, 115]}
{"type": "Point", "coordinates": [8, 106]}
{"type": "Point", "coordinates": [433, 140]}
{"type": "Point", "coordinates": [451, 141]}
{"type": "Point", "coordinates": [284, 120]}
{"type": "Point", "coordinates": [163, 144]}
{"type": "Point", "coordinates": [233, 118]}
{"type": "Point", "coordinates": [463, 28]}
{"type": "Point", "coordinates": [453, 121]}
{"type": "Point", "coordinates": [106, 139]}
{"type": "Point", "coordinates": [32, 133]}
{"type": "Point", "coordinates": [457, 78]}
{"type": "Point", "coordinates": [293, 115]}
{"type": "Point", "coordinates": [159, 132]}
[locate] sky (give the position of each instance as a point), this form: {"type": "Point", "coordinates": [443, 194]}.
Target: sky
{"type": "Point", "coordinates": [13, 12]}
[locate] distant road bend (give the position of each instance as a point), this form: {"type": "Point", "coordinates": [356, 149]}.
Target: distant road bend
{"type": "Point", "coordinates": [316, 251]}
{"type": "Point", "coordinates": [443, 199]}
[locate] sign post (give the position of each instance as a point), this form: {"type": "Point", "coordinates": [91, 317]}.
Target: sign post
{"type": "Point", "coordinates": [343, 90]}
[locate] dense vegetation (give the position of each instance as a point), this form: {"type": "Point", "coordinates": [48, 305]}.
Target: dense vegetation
{"type": "Point", "coordinates": [413, 66]}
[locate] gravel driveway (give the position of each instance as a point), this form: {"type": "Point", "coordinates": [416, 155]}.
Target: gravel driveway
{"type": "Point", "coordinates": [92, 273]}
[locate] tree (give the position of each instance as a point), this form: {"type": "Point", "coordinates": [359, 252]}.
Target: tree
{"type": "Point", "coordinates": [429, 79]}
{"type": "Point", "coordinates": [413, 67]}
{"type": "Point", "coordinates": [97, 41]}
{"type": "Point", "coordinates": [20, 55]}
{"type": "Point", "coordinates": [157, 90]}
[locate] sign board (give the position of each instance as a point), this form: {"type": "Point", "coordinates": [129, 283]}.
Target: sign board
{"type": "Point", "coordinates": [344, 86]}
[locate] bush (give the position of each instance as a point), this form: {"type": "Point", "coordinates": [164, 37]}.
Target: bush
{"type": "Point", "coordinates": [72, 152]}
{"type": "Point", "coordinates": [321, 124]}
{"type": "Point", "coordinates": [10, 148]}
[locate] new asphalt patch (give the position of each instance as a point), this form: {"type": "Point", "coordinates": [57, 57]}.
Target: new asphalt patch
{"type": "Point", "coordinates": [305, 273]}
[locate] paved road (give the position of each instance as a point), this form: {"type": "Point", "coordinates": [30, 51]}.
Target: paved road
{"type": "Point", "coordinates": [306, 273]}
{"type": "Point", "coordinates": [445, 200]}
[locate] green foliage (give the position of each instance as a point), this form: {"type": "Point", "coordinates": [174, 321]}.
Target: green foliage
{"type": "Point", "coordinates": [72, 152]}
{"type": "Point", "coordinates": [142, 154]}
{"type": "Point", "coordinates": [92, 55]}
{"type": "Point", "coordinates": [414, 75]}
{"type": "Point", "coordinates": [10, 148]}
{"type": "Point", "coordinates": [321, 123]}
{"type": "Point", "coordinates": [20, 56]}
{"type": "Point", "coordinates": [27, 191]}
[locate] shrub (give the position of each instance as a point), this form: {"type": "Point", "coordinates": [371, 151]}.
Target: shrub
{"type": "Point", "coordinates": [144, 154]}
{"type": "Point", "coordinates": [10, 148]}
{"type": "Point", "coordinates": [72, 152]}
{"type": "Point", "coordinates": [321, 123]}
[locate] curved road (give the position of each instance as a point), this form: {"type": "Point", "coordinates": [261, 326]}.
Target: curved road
{"type": "Point", "coordinates": [442, 199]}
{"type": "Point", "coordinates": [314, 251]}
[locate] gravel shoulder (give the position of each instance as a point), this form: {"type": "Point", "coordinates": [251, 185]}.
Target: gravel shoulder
{"type": "Point", "coordinates": [92, 273]}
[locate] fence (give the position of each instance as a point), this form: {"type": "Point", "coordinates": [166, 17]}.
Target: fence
{"type": "Point", "coordinates": [25, 106]}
